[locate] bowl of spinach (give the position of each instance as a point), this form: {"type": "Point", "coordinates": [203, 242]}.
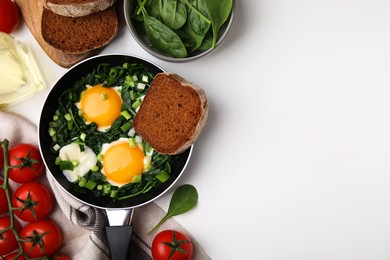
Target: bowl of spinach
{"type": "Point", "coordinates": [179, 30]}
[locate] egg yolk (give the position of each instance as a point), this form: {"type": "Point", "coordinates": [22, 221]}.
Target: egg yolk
{"type": "Point", "coordinates": [122, 162]}
{"type": "Point", "coordinates": [101, 105]}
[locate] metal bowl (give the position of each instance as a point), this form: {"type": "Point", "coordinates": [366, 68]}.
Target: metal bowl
{"type": "Point", "coordinates": [140, 37]}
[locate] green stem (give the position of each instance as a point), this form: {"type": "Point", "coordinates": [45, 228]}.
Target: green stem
{"type": "Point", "coordinates": [141, 6]}
{"type": "Point", "coordinates": [5, 186]}
{"type": "Point", "coordinates": [158, 224]}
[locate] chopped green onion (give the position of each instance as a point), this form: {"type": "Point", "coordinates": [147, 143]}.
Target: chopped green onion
{"type": "Point", "coordinates": [68, 117]}
{"type": "Point", "coordinates": [56, 147]}
{"type": "Point", "coordinates": [95, 168]}
{"type": "Point", "coordinates": [132, 95]}
{"type": "Point", "coordinates": [52, 131]}
{"type": "Point", "coordinates": [70, 125]}
{"type": "Point", "coordinates": [99, 187]}
{"type": "Point", "coordinates": [82, 183]}
{"type": "Point", "coordinates": [113, 72]}
{"type": "Point", "coordinates": [145, 78]}
{"type": "Point", "coordinates": [162, 176]}
{"type": "Point", "coordinates": [75, 163]}
{"type": "Point", "coordinates": [126, 114]}
{"type": "Point", "coordinates": [103, 96]}
{"type": "Point", "coordinates": [141, 86]}
{"type": "Point", "coordinates": [132, 142]}
{"type": "Point", "coordinates": [106, 188]}
{"type": "Point", "coordinates": [55, 117]}
{"type": "Point", "coordinates": [58, 161]}
{"type": "Point", "coordinates": [99, 157]}
{"type": "Point", "coordinates": [90, 185]}
{"type": "Point", "coordinates": [136, 178]}
{"type": "Point", "coordinates": [129, 81]}
{"type": "Point", "coordinates": [83, 136]}
{"type": "Point", "coordinates": [126, 127]}
{"type": "Point", "coordinates": [114, 193]}
{"type": "Point", "coordinates": [135, 78]}
{"type": "Point", "coordinates": [136, 104]}
{"type": "Point", "coordinates": [53, 124]}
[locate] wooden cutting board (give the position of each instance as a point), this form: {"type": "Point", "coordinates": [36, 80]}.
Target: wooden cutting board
{"type": "Point", "coordinates": [31, 11]}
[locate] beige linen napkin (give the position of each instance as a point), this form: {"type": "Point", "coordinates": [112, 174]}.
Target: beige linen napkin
{"type": "Point", "coordinates": [83, 226]}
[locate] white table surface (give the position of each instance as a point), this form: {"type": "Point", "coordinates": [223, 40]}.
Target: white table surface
{"type": "Point", "coordinates": [293, 162]}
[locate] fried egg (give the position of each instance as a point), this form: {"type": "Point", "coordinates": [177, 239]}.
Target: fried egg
{"type": "Point", "coordinates": [85, 160]}
{"type": "Point", "coordinates": [122, 161]}
{"type": "Point", "coordinates": [100, 105]}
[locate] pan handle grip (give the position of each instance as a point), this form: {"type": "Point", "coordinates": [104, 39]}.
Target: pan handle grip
{"type": "Point", "coordinates": [119, 238]}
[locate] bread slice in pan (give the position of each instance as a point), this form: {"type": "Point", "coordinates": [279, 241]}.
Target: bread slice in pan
{"type": "Point", "coordinates": [172, 114]}
{"type": "Point", "coordinates": [77, 8]}
{"type": "Point", "coordinates": [77, 35]}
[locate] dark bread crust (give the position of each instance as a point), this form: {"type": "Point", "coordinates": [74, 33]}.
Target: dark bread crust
{"type": "Point", "coordinates": [172, 114]}
{"type": "Point", "coordinates": [81, 34]}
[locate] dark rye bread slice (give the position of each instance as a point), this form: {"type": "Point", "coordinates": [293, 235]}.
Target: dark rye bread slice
{"type": "Point", "coordinates": [77, 35]}
{"type": "Point", "coordinates": [172, 114]}
{"type": "Point", "coordinates": [77, 8]}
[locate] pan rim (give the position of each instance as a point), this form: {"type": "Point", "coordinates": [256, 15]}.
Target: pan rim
{"type": "Point", "coordinates": [41, 149]}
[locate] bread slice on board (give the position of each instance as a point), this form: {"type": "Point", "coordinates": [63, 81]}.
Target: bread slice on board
{"type": "Point", "coordinates": [76, 35]}
{"type": "Point", "coordinates": [77, 8]}
{"type": "Point", "coordinates": [172, 114]}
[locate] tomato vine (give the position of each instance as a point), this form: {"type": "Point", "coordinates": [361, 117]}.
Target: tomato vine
{"type": "Point", "coordinates": [19, 252]}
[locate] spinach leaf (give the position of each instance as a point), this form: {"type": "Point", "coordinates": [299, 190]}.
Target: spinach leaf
{"type": "Point", "coordinates": [163, 38]}
{"type": "Point", "coordinates": [183, 199]}
{"type": "Point", "coordinates": [199, 25]}
{"type": "Point", "coordinates": [207, 42]}
{"type": "Point", "coordinates": [219, 11]}
{"type": "Point", "coordinates": [173, 13]}
{"type": "Point", "coordinates": [153, 8]}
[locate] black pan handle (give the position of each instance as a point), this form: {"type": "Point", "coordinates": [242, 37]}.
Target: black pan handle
{"type": "Point", "coordinates": [119, 238]}
{"type": "Point", "coordinates": [119, 233]}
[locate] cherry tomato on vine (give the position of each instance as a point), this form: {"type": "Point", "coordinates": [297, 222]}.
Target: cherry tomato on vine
{"type": "Point", "coordinates": [28, 156]}
{"type": "Point", "coordinates": [8, 242]}
{"type": "Point", "coordinates": [32, 201]}
{"type": "Point", "coordinates": [41, 238]}
{"type": "Point", "coordinates": [3, 200]}
{"type": "Point", "coordinates": [13, 255]}
{"type": "Point", "coordinates": [173, 245]}
{"type": "Point", "coordinates": [9, 15]}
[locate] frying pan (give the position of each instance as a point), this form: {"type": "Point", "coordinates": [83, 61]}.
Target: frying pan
{"type": "Point", "coordinates": [119, 212]}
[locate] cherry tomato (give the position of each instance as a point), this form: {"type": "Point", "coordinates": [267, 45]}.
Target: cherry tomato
{"type": "Point", "coordinates": [41, 238]}
{"type": "Point", "coordinates": [173, 245]}
{"type": "Point", "coordinates": [28, 156]}
{"type": "Point", "coordinates": [32, 201]}
{"type": "Point", "coordinates": [13, 255]}
{"type": "Point", "coordinates": [61, 257]}
{"type": "Point", "coordinates": [9, 16]}
{"type": "Point", "coordinates": [8, 242]}
{"type": "Point", "coordinates": [3, 200]}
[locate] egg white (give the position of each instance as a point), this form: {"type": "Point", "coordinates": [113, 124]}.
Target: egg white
{"type": "Point", "coordinates": [86, 160]}
{"type": "Point", "coordinates": [118, 90]}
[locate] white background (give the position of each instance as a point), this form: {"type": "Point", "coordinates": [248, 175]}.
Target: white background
{"type": "Point", "coordinates": [293, 162]}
